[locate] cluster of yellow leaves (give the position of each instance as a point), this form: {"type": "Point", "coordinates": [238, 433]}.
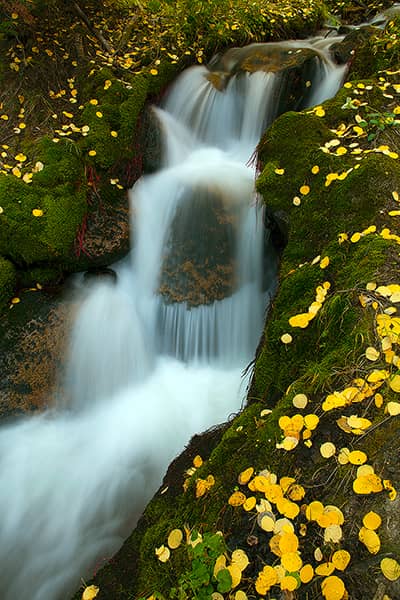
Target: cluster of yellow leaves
{"type": "Point", "coordinates": [197, 463]}
{"type": "Point", "coordinates": [276, 503]}
{"type": "Point", "coordinates": [297, 427]}
{"type": "Point", "coordinates": [175, 539]}
{"type": "Point", "coordinates": [302, 320]}
{"type": "Point", "coordinates": [235, 566]}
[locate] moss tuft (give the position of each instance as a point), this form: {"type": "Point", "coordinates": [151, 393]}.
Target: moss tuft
{"type": "Point", "coordinates": [8, 280]}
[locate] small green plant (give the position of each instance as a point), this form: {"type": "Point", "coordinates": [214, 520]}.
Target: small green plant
{"type": "Point", "coordinates": [199, 581]}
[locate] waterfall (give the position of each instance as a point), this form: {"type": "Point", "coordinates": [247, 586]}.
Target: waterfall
{"type": "Point", "coordinates": [157, 355]}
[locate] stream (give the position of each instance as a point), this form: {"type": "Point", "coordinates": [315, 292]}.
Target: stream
{"type": "Point", "coordinates": [157, 355]}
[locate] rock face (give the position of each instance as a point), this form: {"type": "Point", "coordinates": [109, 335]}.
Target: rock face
{"type": "Point", "coordinates": [200, 268]}
{"type": "Point", "coordinates": [31, 353]}
{"type": "Point", "coordinates": [104, 236]}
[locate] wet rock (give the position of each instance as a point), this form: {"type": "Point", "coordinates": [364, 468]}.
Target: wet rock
{"type": "Point", "coordinates": [32, 339]}
{"type": "Point", "coordinates": [200, 265]}
{"type": "Point", "coordinates": [104, 236]}
{"type": "Point", "coordinates": [295, 64]}
{"type": "Point", "coordinates": [343, 51]}
{"type": "Point", "coordinates": [151, 142]}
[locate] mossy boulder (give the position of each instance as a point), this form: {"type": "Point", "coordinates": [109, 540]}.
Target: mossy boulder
{"type": "Point", "coordinates": [40, 220]}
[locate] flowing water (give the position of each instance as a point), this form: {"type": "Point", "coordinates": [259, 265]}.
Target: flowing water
{"type": "Point", "coordinates": [145, 372]}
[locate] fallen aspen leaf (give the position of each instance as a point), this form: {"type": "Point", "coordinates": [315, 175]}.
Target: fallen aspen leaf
{"type": "Point", "coordinates": [372, 520]}
{"type": "Point", "coordinates": [175, 539]}
{"type": "Point", "coordinates": [90, 592]}
{"type": "Point", "coordinates": [390, 568]}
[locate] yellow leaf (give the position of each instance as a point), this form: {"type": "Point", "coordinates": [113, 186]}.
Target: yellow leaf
{"type": "Point", "coordinates": [245, 476]}
{"type": "Point", "coordinates": [197, 461]}
{"type": "Point", "coordinates": [325, 569]}
{"type": "Point", "coordinates": [327, 449]}
{"type": "Point", "coordinates": [220, 564]}
{"type": "Point", "coordinates": [99, 114]}
{"type": "Point", "coordinates": [341, 559]}
{"type": "Point", "coordinates": [304, 190]}
{"type": "Point", "coordinates": [279, 171]}
{"type": "Point", "coordinates": [372, 520]}
{"type": "Point", "coordinates": [394, 383]}
{"type": "Point", "coordinates": [20, 157]}
{"type": "Point", "coordinates": [324, 262]}
{"type": "Point", "coordinates": [306, 573]}
{"type": "Point", "coordinates": [94, 102]}
{"type": "Point", "coordinates": [37, 212]}
{"type": "Point", "coordinates": [341, 150]}
{"type": "Point", "coordinates": [237, 499]}
{"type": "Point", "coordinates": [15, 300]}
{"type": "Point", "coordinates": [311, 421]}
{"type": "Point", "coordinates": [266, 521]}
{"type": "Point", "coordinates": [175, 538]}
{"type": "Point", "coordinates": [301, 320]}
{"type": "Point", "coordinates": [300, 401]}
{"type": "Point", "coordinates": [163, 553]}
{"type": "Point", "coordinates": [250, 503]}
{"type": "Point", "coordinates": [287, 508]}
{"type": "Point", "coordinates": [315, 170]}
{"type": "Point", "coordinates": [90, 592]}
{"type": "Point", "coordinates": [153, 72]}
{"type": "Point", "coordinates": [92, 152]}
{"type": "Point", "coordinates": [114, 134]}
{"type": "Point", "coordinates": [358, 422]}
{"type": "Point", "coordinates": [343, 457]}
{"type": "Point", "coordinates": [314, 510]}
{"type": "Point", "coordinates": [333, 533]}
{"type": "Point", "coordinates": [357, 457]}
{"type": "Point", "coordinates": [372, 354]}
{"type": "Point", "coordinates": [390, 568]}
{"type": "Point", "coordinates": [367, 484]}
{"type": "Point", "coordinates": [240, 559]}
{"type": "Point", "coordinates": [370, 539]}
{"type": "Point", "coordinates": [296, 492]}
{"type": "Point", "coordinates": [286, 338]}
{"type": "Point", "coordinates": [289, 582]}
{"type": "Point", "coordinates": [266, 579]}
{"type": "Point", "coordinates": [393, 408]}
{"type": "Point", "coordinates": [235, 573]}
{"type": "Point", "coordinates": [333, 588]}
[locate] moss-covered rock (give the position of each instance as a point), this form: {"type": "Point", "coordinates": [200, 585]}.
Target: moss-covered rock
{"type": "Point", "coordinates": [47, 233]}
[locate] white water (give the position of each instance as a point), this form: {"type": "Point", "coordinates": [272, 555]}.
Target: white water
{"type": "Point", "coordinates": [143, 376]}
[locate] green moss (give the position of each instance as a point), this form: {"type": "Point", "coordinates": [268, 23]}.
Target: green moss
{"type": "Point", "coordinates": [56, 191]}
{"type": "Point", "coordinates": [41, 275]}
{"type": "Point", "coordinates": [8, 280]}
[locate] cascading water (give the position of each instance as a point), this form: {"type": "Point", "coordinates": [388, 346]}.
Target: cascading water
{"type": "Point", "coordinates": [147, 369]}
